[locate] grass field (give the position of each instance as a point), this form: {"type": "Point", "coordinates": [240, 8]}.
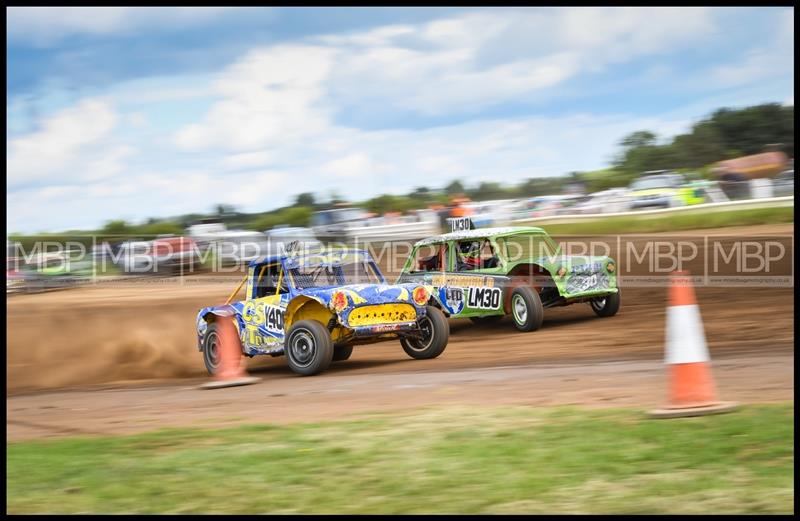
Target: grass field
{"type": "Point", "coordinates": [697, 220]}
{"type": "Point", "coordinates": [508, 460]}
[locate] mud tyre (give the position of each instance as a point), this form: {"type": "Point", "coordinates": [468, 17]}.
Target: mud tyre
{"type": "Point", "coordinates": [309, 348]}
{"type": "Point", "coordinates": [606, 306]}
{"type": "Point", "coordinates": [435, 334]}
{"type": "Point", "coordinates": [211, 357]}
{"type": "Point", "coordinates": [527, 311]}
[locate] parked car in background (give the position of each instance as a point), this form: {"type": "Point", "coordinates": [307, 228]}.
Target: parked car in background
{"type": "Point", "coordinates": [395, 226]}
{"type": "Point", "coordinates": [333, 225]}
{"type": "Point", "coordinates": [165, 255]}
{"type": "Point", "coordinates": [206, 232]}
{"type": "Point", "coordinates": [613, 200]}
{"type": "Point", "coordinates": [175, 255]}
{"type": "Point", "coordinates": [280, 237]}
{"type": "Point", "coordinates": [56, 270]}
{"type": "Point", "coordinates": [349, 225]}
{"type": "Point", "coordinates": [135, 257]}
{"type": "Point", "coordinates": [490, 213]}
{"type": "Point", "coordinates": [663, 189]}
{"type": "Point", "coordinates": [544, 206]}
{"type": "Point", "coordinates": [239, 246]}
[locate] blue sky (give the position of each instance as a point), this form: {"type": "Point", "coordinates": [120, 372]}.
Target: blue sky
{"type": "Point", "coordinates": [140, 112]}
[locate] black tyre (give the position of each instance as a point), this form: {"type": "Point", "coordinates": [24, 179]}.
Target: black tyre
{"type": "Point", "coordinates": [211, 349]}
{"type": "Point", "coordinates": [606, 306]}
{"type": "Point", "coordinates": [526, 309]}
{"type": "Point", "coordinates": [435, 334]}
{"type": "Point", "coordinates": [486, 320]}
{"type": "Point", "coordinates": [309, 348]}
{"type": "Point", "coordinates": [341, 353]}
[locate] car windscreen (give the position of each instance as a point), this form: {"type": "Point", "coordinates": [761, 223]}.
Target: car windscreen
{"type": "Point", "coordinates": [656, 181]}
{"type": "Point", "coordinates": [332, 269]}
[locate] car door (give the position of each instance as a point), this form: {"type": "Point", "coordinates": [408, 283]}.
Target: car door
{"type": "Point", "coordinates": [263, 312]}
{"type": "Point", "coordinates": [474, 283]}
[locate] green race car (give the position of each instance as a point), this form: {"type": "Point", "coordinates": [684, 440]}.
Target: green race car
{"type": "Point", "coordinates": [485, 274]}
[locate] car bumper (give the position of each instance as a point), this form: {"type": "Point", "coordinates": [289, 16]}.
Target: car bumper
{"type": "Point", "coordinates": [380, 329]}
{"type": "Point", "coordinates": [661, 202]}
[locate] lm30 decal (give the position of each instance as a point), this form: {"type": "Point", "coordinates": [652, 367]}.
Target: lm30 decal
{"type": "Point", "coordinates": [484, 298]}
{"type": "Point", "coordinates": [476, 298]}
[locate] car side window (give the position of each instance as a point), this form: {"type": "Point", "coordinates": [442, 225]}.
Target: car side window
{"type": "Point", "coordinates": [267, 281]}
{"type": "Point", "coordinates": [475, 254]}
{"type": "Point", "coordinates": [430, 257]}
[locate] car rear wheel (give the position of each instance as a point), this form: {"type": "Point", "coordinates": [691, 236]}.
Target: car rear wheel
{"type": "Point", "coordinates": [434, 334]}
{"type": "Point", "coordinates": [526, 309]}
{"type": "Point", "coordinates": [309, 348]}
{"type": "Point", "coordinates": [606, 306]}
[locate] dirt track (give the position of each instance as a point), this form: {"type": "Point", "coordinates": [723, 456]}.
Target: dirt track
{"type": "Point", "coordinates": [142, 334]}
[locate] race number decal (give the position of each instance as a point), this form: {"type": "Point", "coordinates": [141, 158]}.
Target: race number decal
{"type": "Point", "coordinates": [452, 299]}
{"type": "Point", "coordinates": [273, 319]}
{"type": "Point", "coordinates": [484, 298]}
{"type": "Point", "coordinates": [458, 224]}
{"type": "Point", "coordinates": [264, 315]}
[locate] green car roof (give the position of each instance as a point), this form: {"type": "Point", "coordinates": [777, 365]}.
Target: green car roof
{"type": "Point", "coordinates": [483, 232]}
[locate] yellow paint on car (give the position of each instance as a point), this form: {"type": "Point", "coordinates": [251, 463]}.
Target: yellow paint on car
{"type": "Point", "coordinates": [382, 314]}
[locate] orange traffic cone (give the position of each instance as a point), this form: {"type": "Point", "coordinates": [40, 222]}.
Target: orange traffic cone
{"type": "Point", "coordinates": [231, 371]}
{"type": "Point", "coordinates": [692, 390]}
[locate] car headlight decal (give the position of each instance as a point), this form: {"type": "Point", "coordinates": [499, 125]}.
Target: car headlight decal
{"type": "Point", "coordinates": [338, 301]}
{"type": "Point", "coordinates": [420, 296]}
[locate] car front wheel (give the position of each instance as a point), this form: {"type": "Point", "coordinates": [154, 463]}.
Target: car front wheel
{"type": "Point", "coordinates": [606, 306]}
{"type": "Point", "coordinates": [433, 337]}
{"type": "Point", "coordinates": [526, 309]}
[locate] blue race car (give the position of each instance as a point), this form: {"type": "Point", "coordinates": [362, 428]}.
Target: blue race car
{"type": "Point", "coordinates": [314, 307]}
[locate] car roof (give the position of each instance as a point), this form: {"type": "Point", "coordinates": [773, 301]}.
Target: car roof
{"type": "Point", "coordinates": [479, 233]}
{"type": "Point", "coordinates": [269, 259]}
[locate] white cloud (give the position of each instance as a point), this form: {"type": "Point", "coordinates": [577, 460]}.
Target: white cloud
{"type": "Point", "coordinates": [246, 160]}
{"type": "Point", "coordinates": [276, 96]}
{"type": "Point", "coordinates": [475, 60]}
{"type": "Point", "coordinates": [270, 96]}
{"type": "Point", "coordinates": [66, 145]}
{"type": "Point", "coordinates": [352, 166]}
